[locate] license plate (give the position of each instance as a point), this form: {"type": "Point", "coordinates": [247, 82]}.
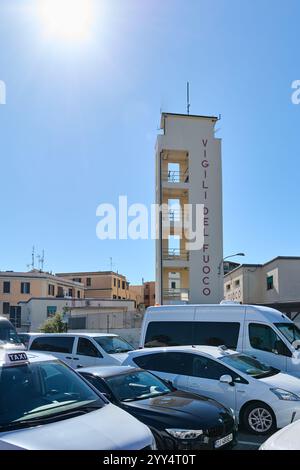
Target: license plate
{"type": "Point", "coordinates": [222, 442]}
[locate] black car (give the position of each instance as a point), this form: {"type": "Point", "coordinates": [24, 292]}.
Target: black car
{"type": "Point", "coordinates": [177, 419]}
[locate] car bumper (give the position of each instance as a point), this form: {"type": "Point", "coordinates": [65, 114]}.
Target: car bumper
{"type": "Point", "coordinates": [286, 412]}
{"type": "Point", "coordinates": [206, 442]}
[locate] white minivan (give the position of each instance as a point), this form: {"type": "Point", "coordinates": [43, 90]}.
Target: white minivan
{"type": "Point", "coordinates": [261, 332]}
{"type": "Point", "coordinates": [82, 349]}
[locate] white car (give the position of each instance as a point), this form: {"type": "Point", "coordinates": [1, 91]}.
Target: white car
{"type": "Point", "coordinates": [82, 349]}
{"type": "Point", "coordinates": [287, 438]}
{"type": "Point", "coordinates": [262, 397]}
{"type": "Point", "coordinates": [45, 405]}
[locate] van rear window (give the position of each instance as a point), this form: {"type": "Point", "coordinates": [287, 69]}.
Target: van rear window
{"type": "Point", "coordinates": [188, 333]}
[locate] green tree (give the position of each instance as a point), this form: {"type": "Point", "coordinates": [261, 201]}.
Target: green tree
{"type": "Point", "coordinates": [54, 324]}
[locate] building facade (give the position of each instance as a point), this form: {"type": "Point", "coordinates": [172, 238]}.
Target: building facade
{"type": "Point", "coordinates": [90, 314]}
{"type": "Point", "coordinates": [188, 172]}
{"type": "Point", "coordinates": [101, 284]}
{"type": "Point", "coordinates": [16, 287]}
{"type": "Point", "coordinates": [144, 294]}
{"type": "Point", "coordinates": [275, 283]}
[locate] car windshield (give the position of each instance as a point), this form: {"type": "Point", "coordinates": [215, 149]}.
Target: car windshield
{"type": "Point", "coordinates": [249, 365]}
{"type": "Point", "coordinates": [113, 344]}
{"type": "Point", "coordinates": [39, 392]}
{"type": "Point", "coordinates": [136, 386]}
{"type": "Point", "coordinates": [289, 330]}
{"type": "Point", "coordinates": [8, 335]}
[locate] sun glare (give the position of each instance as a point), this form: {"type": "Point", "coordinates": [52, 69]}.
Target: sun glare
{"type": "Point", "coordinates": [69, 19]}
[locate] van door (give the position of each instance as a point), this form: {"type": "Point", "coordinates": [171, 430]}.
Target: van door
{"type": "Point", "coordinates": [262, 341]}
{"type": "Point", "coordinates": [86, 354]}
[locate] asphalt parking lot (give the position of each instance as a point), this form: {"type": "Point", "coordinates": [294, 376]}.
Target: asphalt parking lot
{"type": "Point", "coordinates": [249, 441]}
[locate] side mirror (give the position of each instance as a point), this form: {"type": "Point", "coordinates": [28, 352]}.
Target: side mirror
{"type": "Point", "coordinates": [296, 344]}
{"type": "Point", "coordinates": [227, 379]}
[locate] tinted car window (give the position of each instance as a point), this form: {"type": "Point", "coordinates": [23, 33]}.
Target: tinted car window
{"type": "Point", "coordinates": [187, 333]}
{"type": "Point", "coordinates": [61, 344]}
{"type": "Point", "coordinates": [216, 334]}
{"type": "Point", "coordinates": [169, 334]}
{"type": "Point", "coordinates": [95, 381]}
{"type": "Point", "coordinates": [170, 362]}
{"type": "Point", "coordinates": [264, 338]}
{"type": "Point", "coordinates": [208, 368]}
{"type": "Point", "coordinates": [86, 348]}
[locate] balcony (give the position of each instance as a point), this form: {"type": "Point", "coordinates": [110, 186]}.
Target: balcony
{"type": "Point", "coordinates": [175, 295]}
{"type": "Point", "coordinates": [175, 254]}
{"type": "Point", "coordinates": [173, 177]}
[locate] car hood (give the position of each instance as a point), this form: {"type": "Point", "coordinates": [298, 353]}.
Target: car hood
{"type": "Point", "coordinates": [182, 403]}
{"type": "Point", "coordinates": [285, 381]}
{"type": "Point", "coordinates": [109, 428]}
{"type": "Point", "coordinates": [285, 439]}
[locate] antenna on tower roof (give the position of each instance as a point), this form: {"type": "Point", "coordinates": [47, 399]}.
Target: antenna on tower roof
{"type": "Point", "coordinates": [188, 104]}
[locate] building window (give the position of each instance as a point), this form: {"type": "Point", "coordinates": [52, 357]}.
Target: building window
{"type": "Point", "coordinates": [15, 316]}
{"type": "Point", "coordinates": [270, 282]}
{"type": "Point", "coordinates": [115, 282]}
{"type": "Point", "coordinates": [5, 308]}
{"type": "Point", "coordinates": [237, 283]}
{"type": "Point", "coordinates": [114, 296]}
{"type": "Point", "coordinates": [123, 285]}
{"type": "Point", "coordinates": [78, 294]}
{"type": "Point", "coordinates": [119, 297]}
{"type": "Point", "coordinates": [88, 282]}
{"type": "Point", "coordinates": [51, 311]}
{"type": "Point", "coordinates": [6, 287]}
{"type": "Point", "coordinates": [228, 287]}
{"type": "Point", "coordinates": [119, 283]}
{"type": "Point", "coordinates": [25, 287]}
{"type": "Point", "coordinates": [77, 279]}
{"type": "Point", "coordinates": [51, 290]}
{"type": "Point", "coordinates": [70, 292]}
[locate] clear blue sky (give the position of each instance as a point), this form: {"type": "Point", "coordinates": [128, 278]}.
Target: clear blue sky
{"type": "Point", "coordinates": [80, 123]}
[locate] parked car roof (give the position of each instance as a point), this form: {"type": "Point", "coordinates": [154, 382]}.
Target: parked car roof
{"type": "Point", "coordinates": [212, 351]}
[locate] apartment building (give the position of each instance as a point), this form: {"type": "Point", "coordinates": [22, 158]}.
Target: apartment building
{"type": "Point", "coordinates": [275, 283]}
{"type": "Point", "coordinates": [144, 294]}
{"type": "Point", "coordinates": [101, 284]}
{"type": "Point", "coordinates": [188, 171]}
{"type": "Point", "coordinates": [16, 287]}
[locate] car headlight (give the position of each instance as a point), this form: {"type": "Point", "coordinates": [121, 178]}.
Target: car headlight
{"type": "Point", "coordinates": [285, 395]}
{"type": "Point", "coordinates": [185, 433]}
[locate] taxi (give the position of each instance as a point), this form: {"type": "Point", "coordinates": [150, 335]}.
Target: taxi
{"type": "Point", "coordinates": [45, 405]}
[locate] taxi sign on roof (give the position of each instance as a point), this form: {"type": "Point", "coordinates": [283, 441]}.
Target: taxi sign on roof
{"type": "Point", "coordinates": [15, 358]}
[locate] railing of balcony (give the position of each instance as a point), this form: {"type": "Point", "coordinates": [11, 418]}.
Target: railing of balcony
{"type": "Point", "coordinates": [176, 294]}
{"type": "Point", "coordinates": [176, 176]}
{"type": "Point", "coordinates": [175, 254]}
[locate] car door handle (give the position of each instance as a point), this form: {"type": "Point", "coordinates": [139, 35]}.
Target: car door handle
{"type": "Point", "coordinates": [75, 359]}
{"type": "Point", "coordinates": [68, 357]}
{"type": "Point", "coordinates": [241, 391]}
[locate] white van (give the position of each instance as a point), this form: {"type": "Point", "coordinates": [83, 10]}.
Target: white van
{"type": "Point", "coordinates": [261, 332]}
{"type": "Point", "coordinates": [82, 349]}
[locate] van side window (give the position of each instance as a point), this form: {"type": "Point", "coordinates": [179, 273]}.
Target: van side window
{"type": "Point", "coordinates": [169, 334]}
{"type": "Point", "coordinates": [216, 334]}
{"type": "Point", "coordinates": [169, 362]}
{"type": "Point", "coordinates": [59, 344]}
{"type": "Point", "coordinates": [86, 348]}
{"type": "Point", "coordinates": [264, 338]}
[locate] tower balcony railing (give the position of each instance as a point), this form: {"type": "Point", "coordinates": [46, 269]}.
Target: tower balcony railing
{"type": "Point", "coordinates": [176, 294]}
{"type": "Point", "coordinates": [171, 176]}
{"type": "Point", "coordinates": [175, 254]}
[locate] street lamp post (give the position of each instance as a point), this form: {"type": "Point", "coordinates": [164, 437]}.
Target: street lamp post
{"type": "Point", "coordinates": [224, 259]}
